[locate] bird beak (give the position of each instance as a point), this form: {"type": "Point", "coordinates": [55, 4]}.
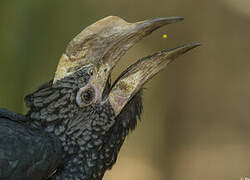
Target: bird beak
{"type": "Point", "coordinates": [135, 76]}
{"type": "Point", "coordinates": [102, 44]}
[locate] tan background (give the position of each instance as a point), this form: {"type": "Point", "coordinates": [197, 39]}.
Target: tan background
{"type": "Point", "coordinates": [196, 120]}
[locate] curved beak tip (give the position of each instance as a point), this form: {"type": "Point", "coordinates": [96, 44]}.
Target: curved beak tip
{"type": "Point", "coordinates": [188, 47]}
{"type": "Point", "coordinates": [169, 19]}
{"type": "Point", "coordinates": [175, 52]}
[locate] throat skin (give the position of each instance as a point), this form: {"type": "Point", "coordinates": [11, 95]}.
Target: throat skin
{"type": "Point", "coordinates": [91, 140]}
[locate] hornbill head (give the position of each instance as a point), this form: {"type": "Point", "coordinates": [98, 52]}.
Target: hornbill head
{"type": "Point", "coordinates": [99, 47]}
{"type": "Point", "coordinates": [90, 115]}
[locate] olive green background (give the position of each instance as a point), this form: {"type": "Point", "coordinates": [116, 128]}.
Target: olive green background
{"type": "Point", "coordinates": [196, 120]}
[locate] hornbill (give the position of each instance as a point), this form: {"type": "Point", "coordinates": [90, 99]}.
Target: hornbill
{"type": "Point", "coordinates": [77, 122]}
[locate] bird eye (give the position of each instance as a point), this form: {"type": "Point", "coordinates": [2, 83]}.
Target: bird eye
{"type": "Point", "coordinates": [87, 96]}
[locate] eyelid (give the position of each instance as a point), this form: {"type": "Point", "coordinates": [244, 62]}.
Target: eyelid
{"type": "Point", "coordinates": [88, 95]}
{"type": "Point", "coordinates": [79, 100]}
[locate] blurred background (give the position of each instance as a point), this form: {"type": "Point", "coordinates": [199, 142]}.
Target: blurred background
{"type": "Point", "coordinates": [196, 120]}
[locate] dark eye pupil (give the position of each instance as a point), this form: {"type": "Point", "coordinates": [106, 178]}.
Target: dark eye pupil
{"type": "Point", "coordinates": [88, 95]}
